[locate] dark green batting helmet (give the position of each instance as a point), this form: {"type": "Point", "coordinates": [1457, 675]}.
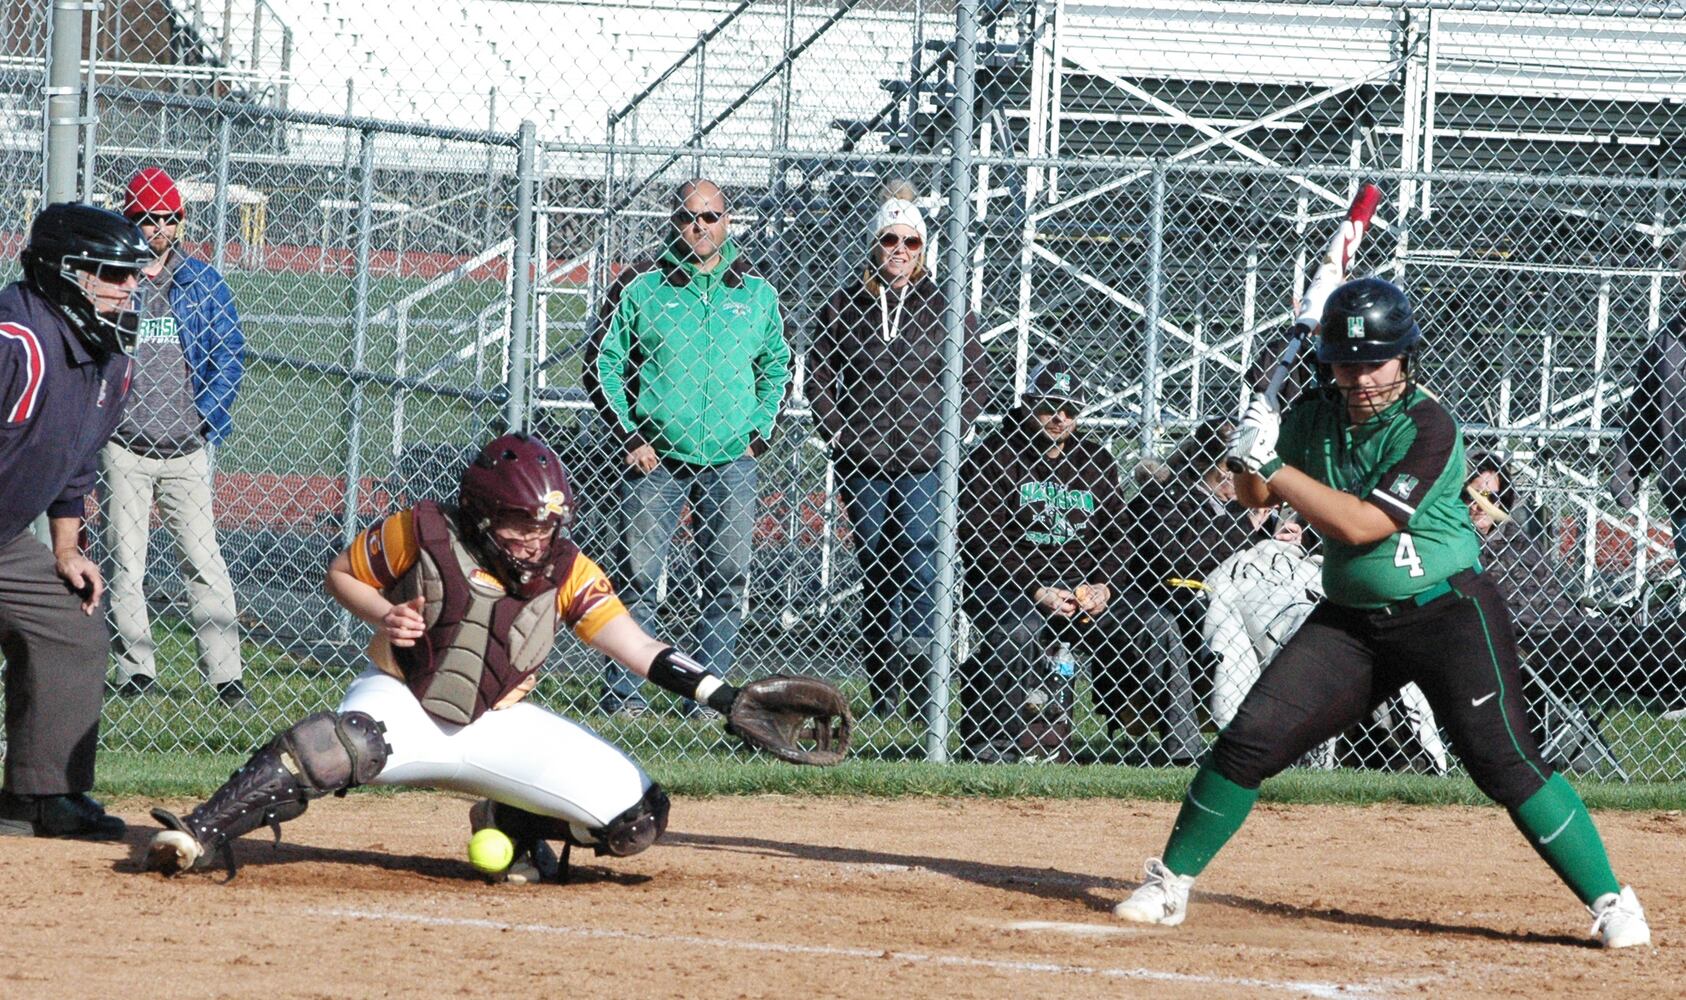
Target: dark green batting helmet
{"type": "Point", "coordinates": [1366, 321]}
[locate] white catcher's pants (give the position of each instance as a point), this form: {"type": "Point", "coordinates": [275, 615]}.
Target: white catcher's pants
{"type": "Point", "coordinates": [522, 755]}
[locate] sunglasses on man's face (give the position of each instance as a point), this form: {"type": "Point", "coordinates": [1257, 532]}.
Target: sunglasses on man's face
{"type": "Point", "coordinates": [1048, 408]}
{"type": "Point", "coordinates": [890, 241]}
{"type": "Point", "coordinates": [149, 219]}
{"type": "Point", "coordinates": [683, 217]}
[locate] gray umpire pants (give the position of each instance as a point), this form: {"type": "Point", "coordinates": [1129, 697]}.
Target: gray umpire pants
{"type": "Point", "coordinates": [181, 486]}
{"type": "Point", "coordinates": [55, 659]}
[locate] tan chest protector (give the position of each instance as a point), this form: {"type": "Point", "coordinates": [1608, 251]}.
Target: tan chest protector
{"type": "Point", "coordinates": [481, 642]}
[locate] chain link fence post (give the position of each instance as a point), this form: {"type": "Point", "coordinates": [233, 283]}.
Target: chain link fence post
{"type": "Point", "coordinates": [225, 129]}
{"type": "Point", "coordinates": [64, 101]}
{"type": "Point", "coordinates": [1155, 308]}
{"type": "Point", "coordinates": [521, 287]}
{"type": "Point", "coordinates": [957, 270]}
{"type": "Point", "coordinates": [359, 336]}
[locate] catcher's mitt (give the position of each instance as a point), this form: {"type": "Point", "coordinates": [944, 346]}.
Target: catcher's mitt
{"type": "Point", "coordinates": [803, 720]}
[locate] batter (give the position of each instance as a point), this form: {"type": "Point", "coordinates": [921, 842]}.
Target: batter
{"type": "Point", "coordinates": [1375, 464]}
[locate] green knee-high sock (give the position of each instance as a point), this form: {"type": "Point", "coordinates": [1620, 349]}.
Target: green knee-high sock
{"type": "Point", "coordinates": [1213, 809]}
{"type": "Point", "coordinates": [1555, 821]}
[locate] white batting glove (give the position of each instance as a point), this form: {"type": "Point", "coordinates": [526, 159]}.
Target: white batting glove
{"type": "Point", "coordinates": [1344, 244]}
{"type": "Point", "coordinates": [1337, 257]}
{"type": "Point", "coordinates": [1254, 446]}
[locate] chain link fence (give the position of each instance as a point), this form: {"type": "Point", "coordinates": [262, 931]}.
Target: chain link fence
{"type": "Point", "coordinates": [1137, 194]}
{"type": "Point", "coordinates": [23, 54]}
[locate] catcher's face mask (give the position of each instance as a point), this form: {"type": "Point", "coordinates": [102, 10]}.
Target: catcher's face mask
{"type": "Point", "coordinates": [524, 539]}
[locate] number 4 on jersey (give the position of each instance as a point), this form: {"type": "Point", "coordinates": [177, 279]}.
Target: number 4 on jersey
{"type": "Point", "coordinates": [1405, 556]}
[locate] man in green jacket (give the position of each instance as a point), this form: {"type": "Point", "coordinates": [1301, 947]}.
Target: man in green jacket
{"type": "Point", "coordinates": [688, 366]}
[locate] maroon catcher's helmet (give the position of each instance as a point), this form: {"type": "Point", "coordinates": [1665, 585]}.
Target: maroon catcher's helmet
{"type": "Point", "coordinates": [515, 474]}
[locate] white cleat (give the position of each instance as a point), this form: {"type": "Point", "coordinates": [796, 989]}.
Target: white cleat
{"type": "Point", "coordinates": [1162, 897]}
{"type": "Point", "coordinates": [173, 851]}
{"type": "Point", "coordinates": [530, 867]}
{"type": "Point", "coordinates": [1618, 921]}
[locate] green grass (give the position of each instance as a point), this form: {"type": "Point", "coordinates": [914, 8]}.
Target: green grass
{"type": "Point", "coordinates": [184, 775]}
{"type": "Point", "coordinates": [180, 742]}
{"type": "Point", "coordinates": [288, 419]}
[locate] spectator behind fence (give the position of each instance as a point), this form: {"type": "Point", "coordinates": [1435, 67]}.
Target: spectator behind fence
{"type": "Point", "coordinates": [1653, 422]}
{"type": "Point", "coordinates": [63, 381]}
{"type": "Point", "coordinates": [688, 367]}
{"type": "Point", "coordinates": [1041, 510]}
{"type": "Point", "coordinates": [187, 373]}
{"type": "Point", "coordinates": [875, 382]}
{"type": "Point", "coordinates": [1574, 653]}
{"type": "Point", "coordinates": [1179, 527]}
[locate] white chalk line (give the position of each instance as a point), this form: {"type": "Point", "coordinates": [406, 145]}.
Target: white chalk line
{"type": "Point", "coordinates": [1330, 991]}
{"type": "Point", "coordinates": [1064, 927]}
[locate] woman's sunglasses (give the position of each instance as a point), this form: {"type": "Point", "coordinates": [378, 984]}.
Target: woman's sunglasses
{"type": "Point", "coordinates": [890, 241]}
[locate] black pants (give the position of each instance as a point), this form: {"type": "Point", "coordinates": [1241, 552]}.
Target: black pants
{"type": "Point", "coordinates": [1013, 634]}
{"type": "Point", "coordinates": [56, 659]}
{"type": "Point", "coordinates": [1460, 649]}
{"type": "Point", "coordinates": [1156, 658]}
{"type": "Point", "coordinates": [1587, 657]}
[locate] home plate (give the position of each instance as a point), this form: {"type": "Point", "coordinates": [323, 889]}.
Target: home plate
{"type": "Point", "coordinates": [1060, 927]}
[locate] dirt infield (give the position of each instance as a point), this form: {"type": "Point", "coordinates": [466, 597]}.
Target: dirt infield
{"type": "Point", "coordinates": [765, 896]}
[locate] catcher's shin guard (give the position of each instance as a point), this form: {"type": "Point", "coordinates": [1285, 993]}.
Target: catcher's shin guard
{"type": "Point", "coordinates": [322, 754]}
{"type": "Point", "coordinates": [637, 828]}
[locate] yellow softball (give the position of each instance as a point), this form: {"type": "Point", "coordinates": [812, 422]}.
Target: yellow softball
{"type": "Point", "coordinates": [490, 851]}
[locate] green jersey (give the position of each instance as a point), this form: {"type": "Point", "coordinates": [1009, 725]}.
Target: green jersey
{"type": "Point", "coordinates": [1407, 460]}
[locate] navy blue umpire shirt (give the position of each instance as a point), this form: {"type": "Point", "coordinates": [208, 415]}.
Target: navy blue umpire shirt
{"type": "Point", "coordinates": [59, 403]}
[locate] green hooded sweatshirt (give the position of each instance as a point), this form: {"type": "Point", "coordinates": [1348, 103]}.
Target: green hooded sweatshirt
{"type": "Point", "coordinates": [692, 364]}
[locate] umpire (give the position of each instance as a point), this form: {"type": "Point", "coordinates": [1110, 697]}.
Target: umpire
{"type": "Point", "coordinates": [64, 374]}
{"type": "Point", "coordinates": [1376, 465]}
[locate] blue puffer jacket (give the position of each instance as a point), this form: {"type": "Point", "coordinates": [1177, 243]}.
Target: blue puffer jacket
{"type": "Point", "coordinates": [211, 342]}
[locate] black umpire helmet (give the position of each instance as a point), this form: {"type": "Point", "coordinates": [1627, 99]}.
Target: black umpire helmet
{"type": "Point", "coordinates": [1366, 321]}
{"type": "Point", "coordinates": [70, 237]}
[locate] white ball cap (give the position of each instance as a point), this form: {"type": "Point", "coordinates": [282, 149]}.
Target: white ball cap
{"type": "Point", "coordinates": [897, 212]}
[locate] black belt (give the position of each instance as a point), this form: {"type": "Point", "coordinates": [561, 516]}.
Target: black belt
{"type": "Point", "coordinates": [1433, 593]}
{"type": "Point", "coordinates": [147, 451]}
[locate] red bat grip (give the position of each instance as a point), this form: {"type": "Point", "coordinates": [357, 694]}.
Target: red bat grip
{"type": "Point", "coordinates": [1364, 204]}
{"type": "Point", "coordinates": [1360, 212]}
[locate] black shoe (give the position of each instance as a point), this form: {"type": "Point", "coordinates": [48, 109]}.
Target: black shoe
{"type": "Point", "coordinates": [73, 815]}
{"type": "Point", "coordinates": [694, 712]}
{"type": "Point", "coordinates": [232, 694]}
{"type": "Point", "coordinates": [615, 708]}
{"type": "Point", "coordinates": [991, 754]}
{"type": "Point", "coordinates": [135, 686]}
{"type": "Point", "coordinates": [1181, 757]}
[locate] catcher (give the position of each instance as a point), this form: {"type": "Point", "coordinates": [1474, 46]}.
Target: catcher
{"type": "Point", "coordinates": [466, 603]}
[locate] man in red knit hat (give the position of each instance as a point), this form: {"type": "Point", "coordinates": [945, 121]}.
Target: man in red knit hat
{"type": "Point", "coordinates": [187, 372]}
